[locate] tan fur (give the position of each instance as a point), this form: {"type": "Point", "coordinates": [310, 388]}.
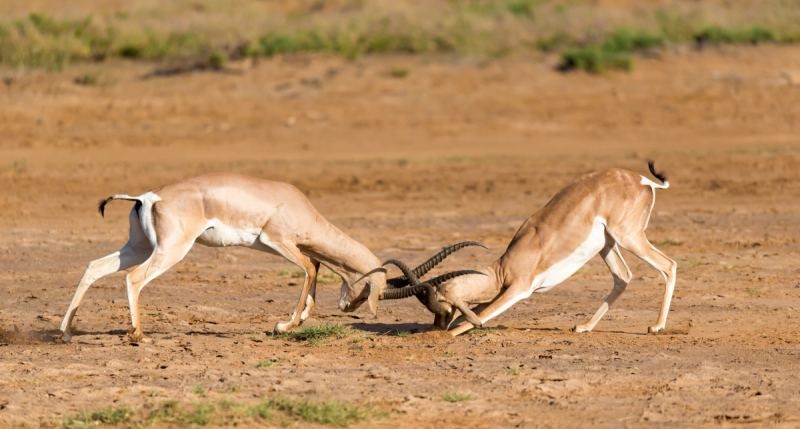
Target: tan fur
{"type": "Point", "coordinates": [275, 216]}
{"type": "Point", "coordinates": [615, 197]}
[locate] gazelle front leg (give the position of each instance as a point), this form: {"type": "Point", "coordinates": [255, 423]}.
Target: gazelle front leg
{"type": "Point", "coordinates": [511, 296]}
{"type": "Point", "coordinates": [622, 276]}
{"type": "Point", "coordinates": [292, 253]}
{"type": "Point", "coordinates": [312, 295]}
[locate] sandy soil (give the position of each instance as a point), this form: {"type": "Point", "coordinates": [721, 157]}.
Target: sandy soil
{"type": "Point", "coordinates": [459, 150]}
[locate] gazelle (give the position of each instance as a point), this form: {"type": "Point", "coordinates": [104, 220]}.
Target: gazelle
{"type": "Point", "coordinates": [597, 213]}
{"type": "Point", "coordinates": [220, 210]}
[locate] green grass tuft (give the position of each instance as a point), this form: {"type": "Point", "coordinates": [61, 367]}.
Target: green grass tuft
{"type": "Point", "coordinates": [267, 364]}
{"type": "Point", "coordinates": [482, 331]}
{"type": "Point", "coordinates": [328, 278]}
{"type": "Point", "coordinates": [689, 263]}
{"type": "Point", "coordinates": [752, 291]}
{"type": "Point", "coordinates": [667, 242]}
{"type": "Point", "coordinates": [316, 334]}
{"type": "Point", "coordinates": [594, 59]}
{"type": "Point", "coordinates": [400, 334]}
{"type": "Point", "coordinates": [332, 413]}
{"type": "Point", "coordinates": [457, 397]}
{"type": "Point", "coordinates": [217, 59]}
{"type": "Point", "coordinates": [88, 79]}
{"type": "Point", "coordinates": [399, 72]}
{"type": "Point", "coordinates": [198, 390]}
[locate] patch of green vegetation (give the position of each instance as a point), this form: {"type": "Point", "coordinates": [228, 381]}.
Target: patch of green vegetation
{"type": "Point", "coordinates": [522, 8]}
{"type": "Point", "coordinates": [30, 381]}
{"type": "Point", "coordinates": [198, 390]}
{"type": "Point", "coordinates": [667, 242]}
{"type": "Point", "coordinates": [482, 331]}
{"type": "Point", "coordinates": [726, 266]}
{"type": "Point", "coordinates": [629, 40]}
{"type": "Point", "coordinates": [20, 164]}
{"type": "Point", "coordinates": [291, 273]}
{"type": "Point", "coordinates": [361, 337]}
{"type": "Point", "coordinates": [457, 397]}
{"type": "Point", "coordinates": [88, 79]}
{"type": "Point", "coordinates": [515, 371]}
{"type": "Point", "coordinates": [267, 364]}
{"type": "Point", "coordinates": [753, 35]}
{"type": "Point", "coordinates": [594, 59]}
{"type": "Point", "coordinates": [752, 291]}
{"type": "Point", "coordinates": [447, 353]}
{"type": "Point", "coordinates": [593, 38]}
{"type": "Point", "coordinates": [400, 334]}
{"type": "Point", "coordinates": [689, 263]}
{"type": "Point", "coordinates": [316, 334]}
{"type": "Point", "coordinates": [328, 278]}
{"type": "Point", "coordinates": [552, 42]}
{"type": "Point", "coordinates": [332, 413]}
{"type": "Point", "coordinates": [106, 416]}
{"type": "Point", "coordinates": [399, 72]}
{"type": "Point", "coordinates": [217, 59]}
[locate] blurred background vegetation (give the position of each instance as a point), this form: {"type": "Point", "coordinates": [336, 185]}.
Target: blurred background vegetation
{"type": "Point", "coordinates": [590, 35]}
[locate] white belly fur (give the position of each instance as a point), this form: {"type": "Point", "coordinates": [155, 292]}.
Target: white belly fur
{"type": "Point", "coordinates": [567, 267]}
{"type": "Point", "coordinates": [218, 234]}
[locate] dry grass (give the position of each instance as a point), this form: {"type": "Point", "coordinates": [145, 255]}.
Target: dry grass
{"type": "Point", "coordinates": [212, 31]}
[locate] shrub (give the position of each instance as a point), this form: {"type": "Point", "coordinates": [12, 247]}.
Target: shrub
{"type": "Point", "coordinates": [217, 60]}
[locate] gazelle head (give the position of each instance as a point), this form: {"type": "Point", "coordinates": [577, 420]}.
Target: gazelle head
{"type": "Point", "coordinates": [409, 284]}
{"type": "Point", "coordinates": [358, 288]}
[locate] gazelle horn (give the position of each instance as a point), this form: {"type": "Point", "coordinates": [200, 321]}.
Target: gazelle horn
{"type": "Point", "coordinates": [426, 292]}
{"type": "Point", "coordinates": [426, 266]}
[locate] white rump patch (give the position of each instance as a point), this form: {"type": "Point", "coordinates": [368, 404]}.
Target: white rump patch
{"type": "Point", "coordinates": [561, 270]}
{"type": "Point", "coordinates": [648, 182]}
{"type": "Point", "coordinates": [146, 216]}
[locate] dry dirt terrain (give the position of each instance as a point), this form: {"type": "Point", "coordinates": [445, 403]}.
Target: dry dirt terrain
{"type": "Point", "coordinates": [458, 150]}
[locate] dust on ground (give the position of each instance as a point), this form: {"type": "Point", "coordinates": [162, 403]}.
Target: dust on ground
{"type": "Point", "coordinates": [458, 150]}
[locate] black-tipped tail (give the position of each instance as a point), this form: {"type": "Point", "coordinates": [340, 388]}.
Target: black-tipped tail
{"type": "Point", "coordinates": [657, 174]}
{"type": "Point", "coordinates": [102, 207]}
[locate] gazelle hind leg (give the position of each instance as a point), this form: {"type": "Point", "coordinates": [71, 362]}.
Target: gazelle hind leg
{"type": "Point", "coordinates": [622, 276]}
{"type": "Point", "coordinates": [162, 259]}
{"type": "Point", "coordinates": [127, 257]}
{"type": "Point", "coordinates": [136, 251]}
{"type": "Point", "coordinates": [312, 295]}
{"type": "Point", "coordinates": [639, 246]}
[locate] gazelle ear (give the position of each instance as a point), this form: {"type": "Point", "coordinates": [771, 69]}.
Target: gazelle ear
{"type": "Point", "coordinates": [374, 294]}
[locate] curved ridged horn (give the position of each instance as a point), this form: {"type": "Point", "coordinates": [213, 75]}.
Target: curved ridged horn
{"type": "Point", "coordinates": [439, 257]}
{"type": "Point", "coordinates": [426, 292]}
{"type": "Point", "coordinates": [423, 291]}
{"type": "Point", "coordinates": [426, 266]}
{"type": "Point", "coordinates": [436, 281]}
{"type": "Point", "coordinates": [408, 274]}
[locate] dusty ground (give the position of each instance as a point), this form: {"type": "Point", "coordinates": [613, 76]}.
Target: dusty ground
{"type": "Point", "coordinates": [459, 150]}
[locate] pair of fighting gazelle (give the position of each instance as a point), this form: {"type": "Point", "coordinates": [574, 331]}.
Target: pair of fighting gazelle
{"type": "Point", "coordinates": [597, 213]}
